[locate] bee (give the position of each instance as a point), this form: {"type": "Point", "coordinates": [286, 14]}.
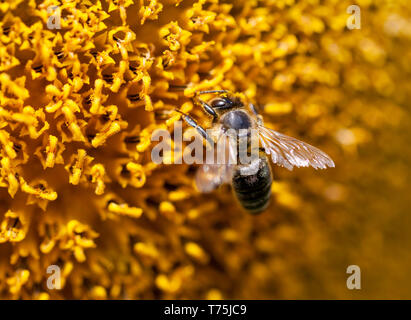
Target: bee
{"type": "Point", "coordinates": [251, 182]}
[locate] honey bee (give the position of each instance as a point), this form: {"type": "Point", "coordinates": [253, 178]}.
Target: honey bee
{"type": "Point", "coordinates": [251, 182]}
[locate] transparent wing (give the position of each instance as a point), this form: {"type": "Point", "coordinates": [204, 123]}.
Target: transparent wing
{"type": "Point", "coordinates": [210, 176]}
{"type": "Point", "coordinates": [288, 152]}
{"type": "Point", "coordinates": [219, 167]}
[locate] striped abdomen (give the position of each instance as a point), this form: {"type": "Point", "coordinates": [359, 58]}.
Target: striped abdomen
{"type": "Point", "coordinates": [254, 191]}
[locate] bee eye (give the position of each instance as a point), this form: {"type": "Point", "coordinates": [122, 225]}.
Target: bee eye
{"type": "Point", "coordinates": [219, 103]}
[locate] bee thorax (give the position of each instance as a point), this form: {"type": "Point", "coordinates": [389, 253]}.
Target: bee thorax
{"type": "Point", "coordinates": [236, 120]}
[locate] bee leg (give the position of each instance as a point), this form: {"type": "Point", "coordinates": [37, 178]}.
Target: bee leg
{"type": "Point", "coordinates": [259, 117]}
{"type": "Point", "coordinates": [207, 108]}
{"type": "Point", "coordinates": [192, 123]}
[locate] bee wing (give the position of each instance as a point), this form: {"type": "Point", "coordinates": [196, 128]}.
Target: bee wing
{"type": "Point", "coordinates": [211, 175]}
{"type": "Point", "coordinates": [288, 152]}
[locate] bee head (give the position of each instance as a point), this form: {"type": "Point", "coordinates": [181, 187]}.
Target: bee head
{"type": "Point", "coordinates": [225, 103]}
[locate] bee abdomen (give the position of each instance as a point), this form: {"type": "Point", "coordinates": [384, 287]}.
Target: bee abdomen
{"type": "Point", "coordinates": [254, 191]}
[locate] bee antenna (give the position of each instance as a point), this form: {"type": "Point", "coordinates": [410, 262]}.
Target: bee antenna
{"type": "Point", "coordinates": [210, 91]}
{"type": "Point", "coordinates": [179, 111]}
{"type": "Point", "coordinates": [173, 87]}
